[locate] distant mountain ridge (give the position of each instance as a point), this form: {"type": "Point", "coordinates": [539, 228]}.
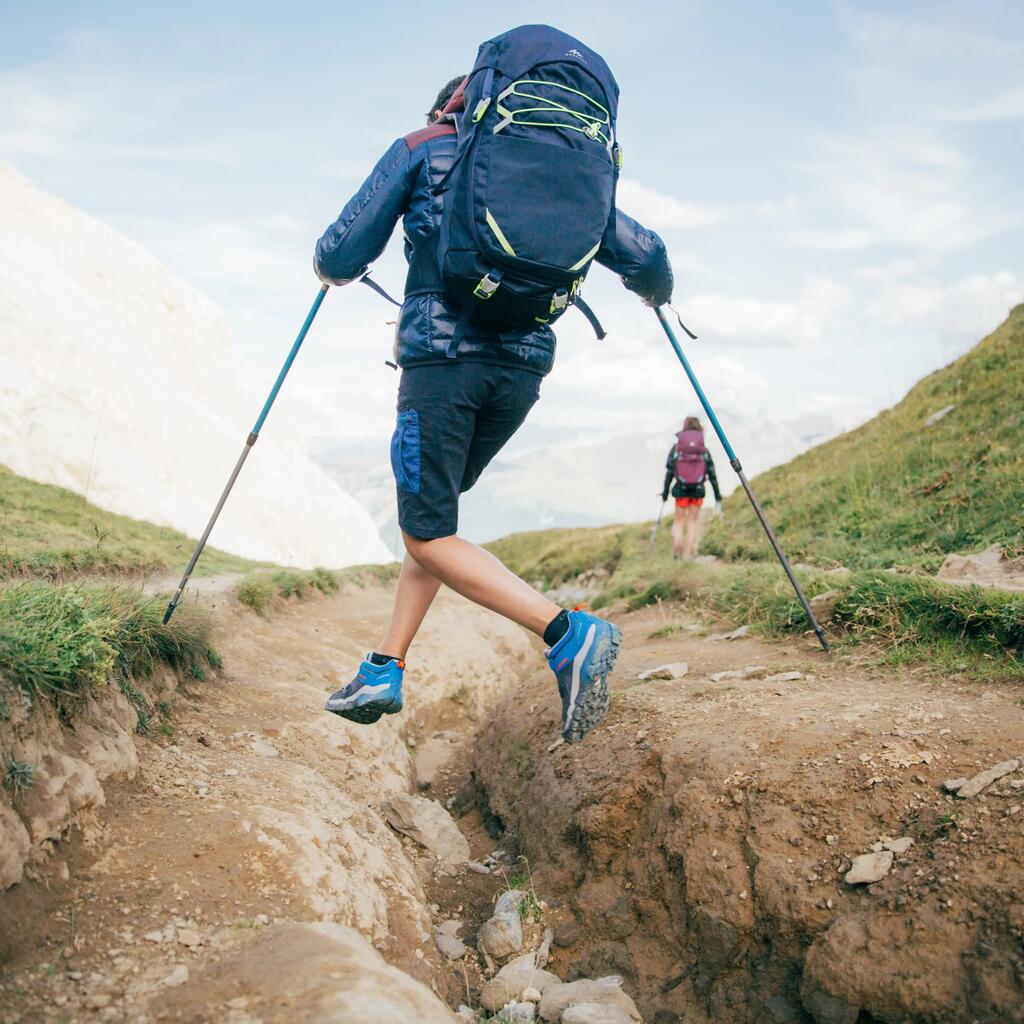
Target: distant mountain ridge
{"type": "Point", "coordinates": [120, 382]}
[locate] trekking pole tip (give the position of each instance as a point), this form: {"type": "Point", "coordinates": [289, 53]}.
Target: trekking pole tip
{"type": "Point", "coordinates": [171, 605]}
{"type": "Point", "coordinates": [823, 640]}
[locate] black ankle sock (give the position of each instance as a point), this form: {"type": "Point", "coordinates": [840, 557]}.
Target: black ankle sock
{"type": "Point", "coordinates": [379, 659]}
{"type": "Point", "coordinates": [556, 628]}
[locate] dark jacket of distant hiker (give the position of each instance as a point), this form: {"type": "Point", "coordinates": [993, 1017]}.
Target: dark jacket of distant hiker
{"type": "Point", "coordinates": [401, 186]}
{"type": "Point", "coordinates": [681, 489]}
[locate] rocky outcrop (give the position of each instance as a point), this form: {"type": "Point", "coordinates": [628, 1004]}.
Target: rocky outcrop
{"type": "Point", "coordinates": [992, 567]}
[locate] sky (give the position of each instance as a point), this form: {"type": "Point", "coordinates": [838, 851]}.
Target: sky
{"type": "Point", "coordinates": [839, 184]}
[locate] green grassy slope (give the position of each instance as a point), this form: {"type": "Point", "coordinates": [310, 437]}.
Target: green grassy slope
{"type": "Point", "coordinates": [52, 532]}
{"type": "Point", "coordinates": [895, 492]}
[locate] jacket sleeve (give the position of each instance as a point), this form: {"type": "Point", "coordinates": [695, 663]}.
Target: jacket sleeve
{"type": "Point", "coordinates": [363, 228]}
{"type": "Point", "coordinates": [670, 472]}
{"type": "Point", "coordinates": [712, 476]}
{"type": "Point", "coordinates": [639, 257]}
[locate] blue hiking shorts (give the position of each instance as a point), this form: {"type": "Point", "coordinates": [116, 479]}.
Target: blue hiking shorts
{"type": "Point", "coordinates": [453, 418]}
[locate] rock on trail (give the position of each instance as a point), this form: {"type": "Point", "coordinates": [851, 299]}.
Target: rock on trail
{"type": "Point", "coordinates": [985, 779]}
{"type": "Point", "coordinates": [869, 867]}
{"type": "Point", "coordinates": [430, 825]}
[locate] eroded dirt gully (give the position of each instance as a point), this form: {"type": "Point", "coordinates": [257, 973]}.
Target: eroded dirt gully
{"type": "Point", "coordinates": [701, 839]}
{"type": "Point", "coordinates": [696, 845]}
{"type": "Point", "coordinates": [242, 870]}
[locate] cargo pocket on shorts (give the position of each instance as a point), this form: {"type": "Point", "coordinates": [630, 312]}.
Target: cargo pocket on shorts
{"type": "Point", "coordinates": [405, 451]}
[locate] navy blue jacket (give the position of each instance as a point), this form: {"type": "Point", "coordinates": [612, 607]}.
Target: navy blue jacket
{"type": "Point", "coordinates": [401, 186]}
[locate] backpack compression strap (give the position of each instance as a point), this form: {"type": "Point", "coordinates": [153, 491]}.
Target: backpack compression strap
{"type": "Point", "coordinates": [591, 316]}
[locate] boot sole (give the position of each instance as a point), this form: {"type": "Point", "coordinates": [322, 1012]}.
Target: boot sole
{"type": "Point", "coordinates": [593, 705]}
{"type": "Point", "coordinates": [368, 713]}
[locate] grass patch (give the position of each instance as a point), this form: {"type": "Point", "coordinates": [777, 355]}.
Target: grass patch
{"type": "Point", "coordinates": [912, 617]}
{"type": "Point", "coordinates": [259, 590]}
{"type": "Point", "coordinates": [52, 533]}
{"type": "Point", "coordinates": [62, 641]}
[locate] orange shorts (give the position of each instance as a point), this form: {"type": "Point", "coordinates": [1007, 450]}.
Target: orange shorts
{"type": "Point", "coordinates": [687, 502]}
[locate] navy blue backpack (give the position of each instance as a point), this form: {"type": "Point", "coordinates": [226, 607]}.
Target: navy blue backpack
{"type": "Point", "coordinates": [531, 190]}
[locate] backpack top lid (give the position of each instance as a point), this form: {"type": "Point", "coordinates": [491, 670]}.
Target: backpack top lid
{"type": "Point", "coordinates": [513, 53]}
{"type": "Point", "coordinates": [690, 442]}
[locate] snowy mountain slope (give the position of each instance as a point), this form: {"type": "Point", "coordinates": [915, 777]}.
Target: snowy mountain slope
{"type": "Point", "coordinates": [120, 382]}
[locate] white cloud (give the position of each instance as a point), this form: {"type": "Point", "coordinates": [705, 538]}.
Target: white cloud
{"type": "Point", "coordinates": [824, 298]}
{"type": "Point", "coordinates": [925, 37]}
{"type": "Point", "coordinates": [889, 270]}
{"type": "Point", "coordinates": [1007, 107]}
{"type": "Point", "coordinates": [839, 239]}
{"type": "Point", "coordinates": [744, 320]}
{"type": "Point", "coordinates": [655, 208]}
{"type": "Point", "coordinates": [958, 314]}
{"type": "Point", "coordinates": [267, 252]}
{"type": "Point", "coordinates": [912, 193]}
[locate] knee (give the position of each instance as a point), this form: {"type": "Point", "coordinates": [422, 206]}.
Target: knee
{"type": "Point", "coordinates": [421, 550]}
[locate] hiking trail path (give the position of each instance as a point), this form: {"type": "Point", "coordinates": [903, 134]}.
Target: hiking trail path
{"type": "Point", "coordinates": [695, 845]}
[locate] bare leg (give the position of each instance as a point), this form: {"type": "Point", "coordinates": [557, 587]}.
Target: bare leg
{"type": "Point", "coordinates": [479, 576]}
{"type": "Point", "coordinates": [677, 532]}
{"type": "Point", "coordinates": [416, 592]}
{"type": "Point", "coordinates": [692, 515]}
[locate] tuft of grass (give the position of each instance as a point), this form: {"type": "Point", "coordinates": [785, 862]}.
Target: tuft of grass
{"type": "Point", "coordinates": [62, 641]}
{"type": "Point", "coordinates": [18, 776]}
{"type": "Point", "coordinates": [52, 533]}
{"type": "Point", "coordinates": [664, 632]}
{"type": "Point", "coordinates": [258, 590]}
{"type": "Point", "coordinates": [522, 881]}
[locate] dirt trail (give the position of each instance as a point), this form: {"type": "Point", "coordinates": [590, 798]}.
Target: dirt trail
{"type": "Point", "coordinates": [696, 845]}
{"type": "Point", "coordinates": [259, 816]}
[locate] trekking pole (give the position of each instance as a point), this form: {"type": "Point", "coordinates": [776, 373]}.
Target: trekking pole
{"type": "Point", "coordinates": [249, 442]}
{"type": "Point", "coordinates": [735, 463]}
{"type": "Point", "coordinates": [657, 522]}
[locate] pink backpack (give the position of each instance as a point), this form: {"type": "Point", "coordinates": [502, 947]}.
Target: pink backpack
{"type": "Point", "coordinates": [689, 453]}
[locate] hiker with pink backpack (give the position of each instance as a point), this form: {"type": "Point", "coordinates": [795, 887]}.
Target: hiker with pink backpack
{"type": "Point", "coordinates": [688, 465]}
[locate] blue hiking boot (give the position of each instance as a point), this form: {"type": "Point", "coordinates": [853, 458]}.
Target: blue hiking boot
{"type": "Point", "coordinates": [375, 691]}
{"type": "Point", "coordinates": [582, 661]}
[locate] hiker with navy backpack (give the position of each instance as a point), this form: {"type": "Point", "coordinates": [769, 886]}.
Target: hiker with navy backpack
{"type": "Point", "coordinates": [507, 198]}
{"type": "Point", "coordinates": [688, 465]}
